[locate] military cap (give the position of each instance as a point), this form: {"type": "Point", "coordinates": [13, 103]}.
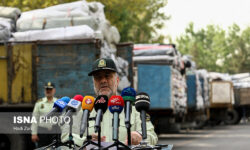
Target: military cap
{"type": "Point", "coordinates": [49, 85]}
{"type": "Point", "coordinates": [103, 64]}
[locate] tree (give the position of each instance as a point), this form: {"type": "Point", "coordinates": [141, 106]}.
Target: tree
{"type": "Point", "coordinates": [239, 47]}
{"type": "Point", "coordinates": [136, 20]}
{"type": "Point", "coordinates": [215, 50]}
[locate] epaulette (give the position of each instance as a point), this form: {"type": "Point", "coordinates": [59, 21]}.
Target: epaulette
{"type": "Point", "coordinates": [39, 100]}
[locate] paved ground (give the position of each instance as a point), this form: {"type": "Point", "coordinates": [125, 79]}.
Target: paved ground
{"type": "Point", "coordinates": [223, 137]}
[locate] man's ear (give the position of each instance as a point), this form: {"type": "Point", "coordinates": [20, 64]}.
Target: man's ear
{"type": "Point", "coordinates": [118, 80]}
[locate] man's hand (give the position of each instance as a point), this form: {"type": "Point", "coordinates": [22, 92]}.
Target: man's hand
{"type": "Point", "coordinates": [95, 137]}
{"type": "Point", "coordinates": [34, 138]}
{"type": "Point", "coordinates": [135, 138]}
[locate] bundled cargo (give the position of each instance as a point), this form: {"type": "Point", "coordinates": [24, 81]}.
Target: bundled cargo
{"type": "Point", "coordinates": [76, 20]}
{"type": "Point", "coordinates": [203, 77]}
{"type": "Point", "coordinates": [219, 76]}
{"type": "Point", "coordinates": [38, 19]}
{"type": "Point", "coordinates": [241, 80]}
{"type": "Point", "coordinates": [153, 50]}
{"type": "Point", "coordinates": [8, 17]}
{"type": "Point", "coordinates": [194, 92]}
{"type": "Point", "coordinates": [161, 54]}
{"type": "Point", "coordinates": [179, 91]}
{"type": "Point", "coordinates": [8, 12]}
{"type": "Point", "coordinates": [159, 74]}
{"type": "Point", "coordinates": [241, 83]}
{"type": "Point", "coordinates": [68, 33]}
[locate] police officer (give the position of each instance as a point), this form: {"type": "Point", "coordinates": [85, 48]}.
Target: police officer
{"type": "Point", "coordinates": [40, 130]}
{"type": "Point", "coordinates": [106, 82]}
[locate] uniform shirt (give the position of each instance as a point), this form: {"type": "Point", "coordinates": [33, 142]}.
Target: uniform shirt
{"type": "Point", "coordinates": [42, 107]}
{"type": "Point", "coordinates": [106, 127]}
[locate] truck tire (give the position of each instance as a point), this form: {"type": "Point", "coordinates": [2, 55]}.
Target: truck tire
{"type": "Point", "coordinates": [168, 125]}
{"type": "Point", "coordinates": [12, 142]}
{"type": "Point", "coordinates": [232, 117]}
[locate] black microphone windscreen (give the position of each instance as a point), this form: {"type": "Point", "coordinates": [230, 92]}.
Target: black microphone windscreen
{"type": "Point", "coordinates": [101, 102]}
{"type": "Point", "coordinates": [142, 102]}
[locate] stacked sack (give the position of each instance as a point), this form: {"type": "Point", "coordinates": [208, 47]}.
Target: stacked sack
{"type": "Point", "coordinates": [179, 91]}
{"type": "Point", "coordinates": [156, 53]}
{"type": "Point", "coordinates": [166, 55]}
{"type": "Point", "coordinates": [76, 20]}
{"type": "Point", "coordinates": [8, 17]}
{"type": "Point", "coordinates": [241, 80]}
{"type": "Point", "coordinates": [203, 75]}
{"type": "Point", "coordinates": [241, 83]}
{"type": "Point", "coordinates": [201, 95]}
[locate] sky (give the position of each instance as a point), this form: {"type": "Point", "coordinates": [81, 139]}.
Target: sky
{"type": "Point", "coordinates": [203, 12]}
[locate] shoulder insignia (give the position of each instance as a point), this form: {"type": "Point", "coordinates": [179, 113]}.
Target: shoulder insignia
{"type": "Point", "coordinates": [147, 117]}
{"type": "Point", "coordinates": [39, 100]}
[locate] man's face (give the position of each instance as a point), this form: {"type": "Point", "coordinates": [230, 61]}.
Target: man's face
{"type": "Point", "coordinates": [49, 92]}
{"type": "Point", "coordinates": [105, 82]}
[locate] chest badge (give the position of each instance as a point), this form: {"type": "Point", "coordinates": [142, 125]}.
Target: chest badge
{"type": "Point", "coordinates": [42, 106]}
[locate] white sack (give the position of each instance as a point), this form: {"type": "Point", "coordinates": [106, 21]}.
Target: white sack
{"type": "Point", "coordinates": [68, 33]}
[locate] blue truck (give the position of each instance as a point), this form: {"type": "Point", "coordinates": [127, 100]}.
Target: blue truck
{"type": "Point", "coordinates": [168, 104]}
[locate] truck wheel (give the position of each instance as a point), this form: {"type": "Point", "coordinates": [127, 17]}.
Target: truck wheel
{"type": "Point", "coordinates": [12, 142]}
{"type": "Point", "coordinates": [200, 124]}
{"type": "Point", "coordinates": [232, 117]}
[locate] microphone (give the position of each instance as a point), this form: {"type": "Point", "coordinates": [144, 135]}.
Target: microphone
{"type": "Point", "coordinates": [128, 94]}
{"type": "Point", "coordinates": [87, 107]}
{"type": "Point", "coordinates": [74, 105]}
{"type": "Point", "coordinates": [142, 104]}
{"type": "Point", "coordinates": [59, 105]}
{"type": "Point", "coordinates": [100, 107]}
{"type": "Point", "coordinates": [116, 105]}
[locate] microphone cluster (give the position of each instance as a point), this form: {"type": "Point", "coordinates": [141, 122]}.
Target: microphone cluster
{"type": "Point", "coordinates": [115, 105]}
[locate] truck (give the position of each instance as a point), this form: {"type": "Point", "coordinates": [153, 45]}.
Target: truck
{"type": "Point", "coordinates": [242, 105]}
{"type": "Point", "coordinates": [26, 66]}
{"type": "Point", "coordinates": [166, 109]}
{"type": "Point", "coordinates": [221, 101]}
{"type": "Point", "coordinates": [197, 101]}
{"type": "Point", "coordinates": [242, 101]}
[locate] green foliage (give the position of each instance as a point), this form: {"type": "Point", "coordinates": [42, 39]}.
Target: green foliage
{"type": "Point", "coordinates": [215, 50]}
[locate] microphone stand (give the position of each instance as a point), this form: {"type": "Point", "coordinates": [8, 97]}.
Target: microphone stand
{"type": "Point", "coordinates": [56, 141]}
{"type": "Point", "coordinates": [127, 122]}
{"type": "Point", "coordinates": [70, 142]}
{"type": "Point", "coordinates": [99, 138]}
{"type": "Point", "coordinates": [128, 126]}
{"type": "Point", "coordinates": [116, 143]}
{"type": "Point", "coordinates": [88, 139]}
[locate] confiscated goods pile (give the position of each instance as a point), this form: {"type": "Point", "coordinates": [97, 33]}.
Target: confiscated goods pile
{"type": "Point", "coordinates": [241, 80]}
{"type": "Point", "coordinates": [170, 56]}
{"type": "Point", "coordinates": [76, 20]}
{"type": "Point", "coordinates": [241, 83]}
{"type": "Point", "coordinates": [8, 17]}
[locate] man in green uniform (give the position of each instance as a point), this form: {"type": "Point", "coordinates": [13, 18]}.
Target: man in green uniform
{"type": "Point", "coordinates": [42, 107]}
{"type": "Point", "coordinates": [106, 80]}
